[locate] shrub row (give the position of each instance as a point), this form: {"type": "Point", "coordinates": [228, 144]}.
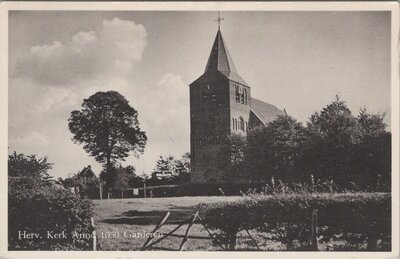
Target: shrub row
{"type": "Point", "coordinates": [47, 210]}
{"type": "Point", "coordinates": [359, 219]}
{"type": "Point", "coordinates": [204, 189]}
{"type": "Point", "coordinates": [231, 189]}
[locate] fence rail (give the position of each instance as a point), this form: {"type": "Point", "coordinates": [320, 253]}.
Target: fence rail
{"type": "Point", "coordinates": [196, 219]}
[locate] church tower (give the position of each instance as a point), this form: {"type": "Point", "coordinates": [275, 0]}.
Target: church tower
{"type": "Point", "coordinates": [219, 106]}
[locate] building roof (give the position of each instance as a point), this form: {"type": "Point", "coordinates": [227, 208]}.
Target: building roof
{"type": "Point", "coordinates": [265, 112]}
{"type": "Point", "coordinates": [87, 172]}
{"type": "Point", "coordinates": [220, 62]}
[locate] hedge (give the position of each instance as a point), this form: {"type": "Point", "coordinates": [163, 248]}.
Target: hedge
{"type": "Point", "coordinates": [356, 218]}
{"type": "Point", "coordinates": [203, 189]}
{"type": "Point", "coordinates": [48, 209]}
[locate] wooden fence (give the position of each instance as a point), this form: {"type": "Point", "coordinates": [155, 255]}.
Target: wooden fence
{"type": "Point", "coordinates": [196, 219]}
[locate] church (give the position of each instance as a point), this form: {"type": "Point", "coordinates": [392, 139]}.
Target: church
{"type": "Point", "coordinates": [220, 105]}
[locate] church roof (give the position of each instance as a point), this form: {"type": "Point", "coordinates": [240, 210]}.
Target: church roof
{"type": "Point", "coordinates": [264, 111]}
{"type": "Point", "coordinates": [220, 62]}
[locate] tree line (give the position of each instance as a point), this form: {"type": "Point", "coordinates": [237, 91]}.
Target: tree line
{"type": "Point", "coordinates": [333, 145]}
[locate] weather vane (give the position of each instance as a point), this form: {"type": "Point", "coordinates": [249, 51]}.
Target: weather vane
{"type": "Point", "coordinates": [218, 20]}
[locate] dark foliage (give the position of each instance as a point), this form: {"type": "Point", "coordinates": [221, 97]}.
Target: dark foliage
{"type": "Point", "coordinates": [38, 205]}
{"type": "Point", "coordinates": [334, 145]}
{"type": "Point", "coordinates": [108, 127]}
{"type": "Point", "coordinates": [29, 167]}
{"type": "Point", "coordinates": [274, 151]}
{"type": "Point", "coordinates": [230, 158]}
{"type": "Point", "coordinates": [84, 185]}
{"type": "Point", "coordinates": [359, 219]}
{"type": "Point", "coordinates": [48, 210]}
{"type": "Point", "coordinates": [204, 189]}
{"type": "Point", "coordinates": [170, 171]}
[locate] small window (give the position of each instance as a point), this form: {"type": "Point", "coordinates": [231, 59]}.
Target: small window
{"type": "Point", "coordinates": [237, 93]}
{"type": "Point", "coordinates": [241, 124]}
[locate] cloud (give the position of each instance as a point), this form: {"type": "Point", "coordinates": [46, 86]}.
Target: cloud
{"type": "Point", "coordinates": [164, 115]}
{"type": "Point", "coordinates": [116, 48]}
{"type": "Point", "coordinates": [33, 140]}
{"type": "Point", "coordinates": [170, 111]}
{"type": "Point", "coordinates": [56, 99]}
{"type": "Point", "coordinates": [55, 78]}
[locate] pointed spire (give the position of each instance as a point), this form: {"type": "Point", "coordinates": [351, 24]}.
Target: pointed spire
{"type": "Point", "coordinates": [220, 60]}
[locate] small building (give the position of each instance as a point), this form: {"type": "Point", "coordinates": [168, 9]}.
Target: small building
{"type": "Point", "coordinates": [86, 183]}
{"type": "Point", "coordinates": [86, 175]}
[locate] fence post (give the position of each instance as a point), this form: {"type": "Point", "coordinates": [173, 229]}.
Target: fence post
{"type": "Point", "coordinates": [314, 241]}
{"type": "Point", "coordinates": [151, 236]}
{"type": "Point", "coordinates": [100, 191]}
{"type": "Point", "coordinates": [94, 237]}
{"type": "Point", "coordinates": [187, 231]}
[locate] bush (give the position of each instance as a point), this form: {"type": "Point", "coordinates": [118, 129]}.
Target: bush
{"type": "Point", "coordinates": [204, 189]}
{"type": "Point", "coordinates": [52, 209]}
{"type": "Point", "coordinates": [355, 218]}
{"type": "Point", "coordinates": [232, 189]}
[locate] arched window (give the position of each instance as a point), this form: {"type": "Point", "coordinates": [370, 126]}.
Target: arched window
{"type": "Point", "coordinates": [241, 124]}
{"type": "Point", "coordinates": [245, 96]}
{"type": "Point", "coordinates": [233, 123]}
{"type": "Point", "coordinates": [237, 92]}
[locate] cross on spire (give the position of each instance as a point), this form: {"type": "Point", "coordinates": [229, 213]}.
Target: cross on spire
{"type": "Point", "coordinates": [218, 20]}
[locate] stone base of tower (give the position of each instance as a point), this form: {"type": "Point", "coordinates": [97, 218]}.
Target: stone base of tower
{"type": "Point", "coordinates": [197, 177]}
{"type": "Point", "coordinates": [203, 175]}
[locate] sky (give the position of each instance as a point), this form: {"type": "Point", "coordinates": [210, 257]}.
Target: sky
{"type": "Point", "coordinates": [294, 60]}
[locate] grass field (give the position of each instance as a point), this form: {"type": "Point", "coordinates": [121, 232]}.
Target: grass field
{"type": "Point", "coordinates": [119, 222]}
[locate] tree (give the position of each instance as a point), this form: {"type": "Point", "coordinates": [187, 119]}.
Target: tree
{"type": "Point", "coordinates": [331, 135]}
{"type": "Point", "coordinates": [163, 171]}
{"type": "Point", "coordinates": [20, 165]}
{"type": "Point", "coordinates": [371, 158]}
{"type": "Point", "coordinates": [182, 168]}
{"type": "Point", "coordinates": [108, 127]}
{"type": "Point", "coordinates": [28, 171]}
{"type": "Point", "coordinates": [230, 157]}
{"type": "Point", "coordinates": [165, 164]}
{"type": "Point", "coordinates": [122, 178]}
{"type": "Point", "coordinates": [171, 170]}
{"type": "Point", "coordinates": [275, 150]}
{"type": "Point", "coordinates": [119, 178]}
{"type": "Point", "coordinates": [37, 205]}
{"type": "Point", "coordinates": [371, 125]}
{"type": "Point", "coordinates": [345, 148]}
